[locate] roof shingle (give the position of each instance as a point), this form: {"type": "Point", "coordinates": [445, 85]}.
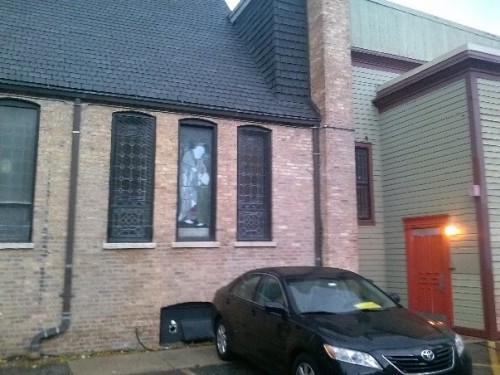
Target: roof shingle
{"type": "Point", "coordinates": [170, 52]}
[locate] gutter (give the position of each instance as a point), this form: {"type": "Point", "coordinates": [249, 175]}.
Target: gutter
{"type": "Point", "coordinates": [318, 226]}
{"type": "Point", "coordinates": [70, 239]}
{"type": "Point", "coordinates": [157, 104]}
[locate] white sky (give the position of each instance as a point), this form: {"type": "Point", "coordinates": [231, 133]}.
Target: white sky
{"type": "Point", "coordinates": [480, 14]}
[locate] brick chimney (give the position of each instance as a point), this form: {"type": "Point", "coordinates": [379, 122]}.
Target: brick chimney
{"type": "Point", "coordinates": [331, 89]}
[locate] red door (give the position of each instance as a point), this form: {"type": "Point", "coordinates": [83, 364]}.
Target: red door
{"type": "Point", "coordinates": [428, 267]}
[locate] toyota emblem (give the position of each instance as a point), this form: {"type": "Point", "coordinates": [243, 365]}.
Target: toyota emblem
{"type": "Point", "coordinates": [428, 355]}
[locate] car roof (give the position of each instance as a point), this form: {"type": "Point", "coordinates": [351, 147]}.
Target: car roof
{"type": "Point", "coordinates": [302, 271]}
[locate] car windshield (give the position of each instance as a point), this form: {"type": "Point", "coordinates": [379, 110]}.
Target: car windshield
{"type": "Point", "coordinates": [342, 294]}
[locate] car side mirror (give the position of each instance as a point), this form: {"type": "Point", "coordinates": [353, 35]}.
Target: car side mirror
{"type": "Point", "coordinates": [274, 307]}
{"type": "Point", "coordinates": [395, 297]}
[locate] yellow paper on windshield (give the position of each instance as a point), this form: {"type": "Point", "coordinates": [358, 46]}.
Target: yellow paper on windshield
{"type": "Point", "coordinates": [367, 305]}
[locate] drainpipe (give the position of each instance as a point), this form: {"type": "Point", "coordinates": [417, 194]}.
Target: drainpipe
{"type": "Point", "coordinates": [318, 225]}
{"type": "Point", "coordinates": [68, 266]}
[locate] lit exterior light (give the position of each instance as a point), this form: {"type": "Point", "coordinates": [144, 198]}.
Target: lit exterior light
{"type": "Point", "coordinates": [452, 230]}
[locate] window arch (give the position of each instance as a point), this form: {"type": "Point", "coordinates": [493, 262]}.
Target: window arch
{"type": "Point", "coordinates": [19, 123]}
{"type": "Point", "coordinates": [254, 184]}
{"type": "Point", "coordinates": [131, 186]}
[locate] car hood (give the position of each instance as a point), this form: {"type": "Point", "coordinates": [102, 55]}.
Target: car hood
{"type": "Point", "coordinates": [373, 329]}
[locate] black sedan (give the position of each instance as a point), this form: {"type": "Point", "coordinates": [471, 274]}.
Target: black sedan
{"type": "Point", "coordinates": [318, 320]}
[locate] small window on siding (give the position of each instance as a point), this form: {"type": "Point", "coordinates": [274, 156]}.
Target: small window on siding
{"type": "Point", "coordinates": [196, 181]}
{"type": "Point", "coordinates": [131, 184]}
{"type": "Point", "coordinates": [364, 189]}
{"type": "Point", "coordinates": [254, 184]}
{"type": "Point", "coordinates": [18, 149]}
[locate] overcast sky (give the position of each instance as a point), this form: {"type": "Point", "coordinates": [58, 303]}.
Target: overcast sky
{"type": "Point", "coordinates": [480, 14]}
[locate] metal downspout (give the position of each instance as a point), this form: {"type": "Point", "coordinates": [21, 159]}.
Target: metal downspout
{"type": "Point", "coordinates": [318, 226]}
{"type": "Point", "coordinates": [68, 266]}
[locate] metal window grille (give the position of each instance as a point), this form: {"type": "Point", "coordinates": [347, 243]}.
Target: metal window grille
{"type": "Point", "coordinates": [254, 185]}
{"type": "Point", "coordinates": [132, 178]}
{"type": "Point", "coordinates": [363, 183]}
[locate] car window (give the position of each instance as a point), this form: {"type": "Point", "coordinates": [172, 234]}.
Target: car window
{"type": "Point", "coordinates": [269, 290]}
{"type": "Point", "coordinates": [337, 295]}
{"type": "Point", "coordinates": [245, 287]}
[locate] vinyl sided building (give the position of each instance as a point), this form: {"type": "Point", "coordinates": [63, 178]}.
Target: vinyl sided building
{"type": "Point", "coordinates": [430, 132]}
{"type": "Point", "coordinates": [166, 150]}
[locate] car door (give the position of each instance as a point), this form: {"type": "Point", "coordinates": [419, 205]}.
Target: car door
{"type": "Point", "coordinates": [238, 311]}
{"type": "Point", "coordinates": [268, 331]}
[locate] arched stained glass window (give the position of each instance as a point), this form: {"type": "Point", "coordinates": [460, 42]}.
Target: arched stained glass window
{"type": "Point", "coordinates": [254, 184]}
{"type": "Point", "coordinates": [132, 178]}
{"type": "Point", "coordinates": [196, 181]}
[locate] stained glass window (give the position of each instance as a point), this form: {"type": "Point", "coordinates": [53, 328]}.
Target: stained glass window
{"type": "Point", "coordinates": [254, 184]}
{"type": "Point", "coordinates": [196, 207]}
{"type": "Point", "coordinates": [132, 178]}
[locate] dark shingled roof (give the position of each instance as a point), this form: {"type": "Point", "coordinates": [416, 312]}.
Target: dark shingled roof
{"type": "Point", "coordinates": [176, 54]}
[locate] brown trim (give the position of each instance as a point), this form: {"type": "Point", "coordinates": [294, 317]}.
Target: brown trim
{"type": "Point", "coordinates": [410, 95]}
{"type": "Point", "coordinates": [483, 225]}
{"type": "Point", "coordinates": [382, 61]}
{"type": "Point", "coordinates": [368, 147]}
{"type": "Point", "coordinates": [440, 72]}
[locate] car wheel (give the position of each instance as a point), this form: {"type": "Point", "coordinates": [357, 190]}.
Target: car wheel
{"type": "Point", "coordinates": [222, 344]}
{"type": "Point", "coordinates": [304, 364]}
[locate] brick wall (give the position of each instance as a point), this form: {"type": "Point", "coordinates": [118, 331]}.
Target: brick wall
{"type": "Point", "coordinates": [331, 90]}
{"type": "Point", "coordinates": [118, 291]}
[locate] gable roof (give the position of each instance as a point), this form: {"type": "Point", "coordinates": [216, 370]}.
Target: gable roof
{"type": "Point", "coordinates": [181, 55]}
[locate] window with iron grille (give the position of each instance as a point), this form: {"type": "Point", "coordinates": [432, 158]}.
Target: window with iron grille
{"type": "Point", "coordinates": [254, 184]}
{"type": "Point", "coordinates": [131, 178]}
{"type": "Point", "coordinates": [364, 190]}
{"type": "Point", "coordinates": [196, 182]}
{"type": "Point", "coordinates": [18, 149]}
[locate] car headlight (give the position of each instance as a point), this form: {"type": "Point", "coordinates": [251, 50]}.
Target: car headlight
{"type": "Point", "coordinates": [459, 344]}
{"type": "Point", "coordinates": [351, 356]}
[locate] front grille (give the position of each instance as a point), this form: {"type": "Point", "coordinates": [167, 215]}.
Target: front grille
{"type": "Point", "coordinates": [415, 364]}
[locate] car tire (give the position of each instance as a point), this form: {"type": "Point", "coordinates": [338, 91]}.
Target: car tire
{"type": "Point", "coordinates": [304, 364]}
{"type": "Point", "coordinates": [222, 342]}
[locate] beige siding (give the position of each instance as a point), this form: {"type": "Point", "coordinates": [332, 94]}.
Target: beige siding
{"type": "Point", "coordinates": [382, 26]}
{"type": "Point", "coordinates": [489, 101]}
{"type": "Point", "coordinates": [427, 171]}
{"type": "Point", "coordinates": [370, 238]}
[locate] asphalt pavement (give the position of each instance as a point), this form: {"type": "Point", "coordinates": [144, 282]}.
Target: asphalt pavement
{"type": "Point", "coordinates": [202, 360]}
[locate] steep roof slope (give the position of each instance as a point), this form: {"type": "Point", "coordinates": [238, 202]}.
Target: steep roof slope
{"type": "Point", "coordinates": [174, 54]}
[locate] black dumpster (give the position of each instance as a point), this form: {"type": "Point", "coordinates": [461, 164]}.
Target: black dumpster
{"type": "Point", "coordinates": [187, 322]}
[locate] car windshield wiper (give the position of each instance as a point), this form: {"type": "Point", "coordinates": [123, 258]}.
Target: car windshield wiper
{"type": "Point", "coordinates": [322, 312]}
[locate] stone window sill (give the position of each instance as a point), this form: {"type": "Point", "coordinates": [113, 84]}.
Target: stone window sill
{"type": "Point", "coordinates": [128, 245]}
{"type": "Point", "coordinates": [16, 245]}
{"type": "Point", "coordinates": [197, 244]}
{"type": "Point", "coordinates": [255, 244]}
